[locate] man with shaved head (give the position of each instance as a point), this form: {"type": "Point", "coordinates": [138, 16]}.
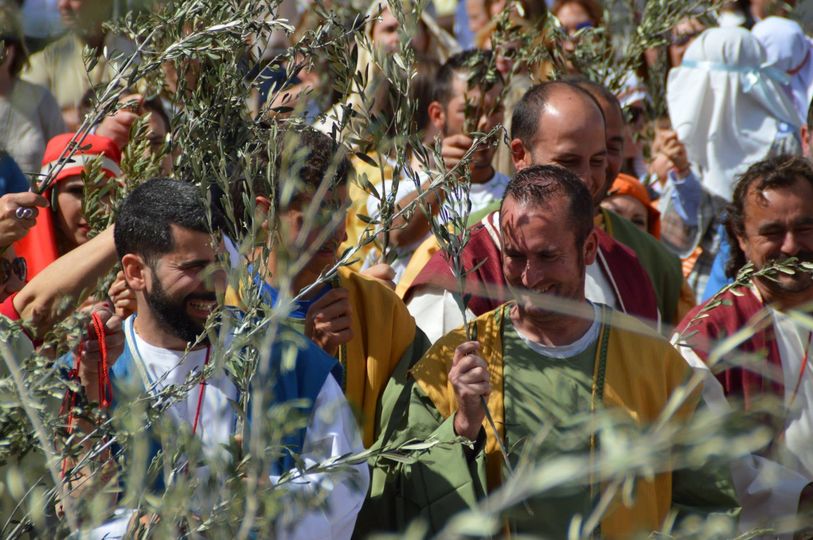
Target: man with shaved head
{"type": "Point", "coordinates": [555, 123]}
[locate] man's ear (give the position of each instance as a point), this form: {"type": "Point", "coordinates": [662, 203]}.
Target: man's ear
{"type": "Point", "coordinates": [135, 271]}
{"type": "Point", "coordinates": [805, 134]}
{"type": "Point", "coordinates": [590, 248]}
{"type": "Point", "coordinates": [520, 155]}
{"type": "Point", "coordinates": [437, 115]}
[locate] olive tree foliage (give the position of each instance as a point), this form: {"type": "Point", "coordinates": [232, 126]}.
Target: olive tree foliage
{"type": "Point", "coordinates": [65, 468]}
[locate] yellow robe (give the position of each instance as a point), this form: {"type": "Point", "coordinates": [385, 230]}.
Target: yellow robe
{"type": "Point", "coordinates": [642, 370]}
{"type": "Point", "coordinates": [383, 333]}
{"type": "Point", "coordinates": [358, 205]}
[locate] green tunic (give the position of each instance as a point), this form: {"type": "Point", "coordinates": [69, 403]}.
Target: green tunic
{"type": "Point", "coordinates": [552, 392]}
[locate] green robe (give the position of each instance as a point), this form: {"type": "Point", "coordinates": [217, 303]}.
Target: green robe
{"type": "Point", "coordinates": [451, 476]}
{"type": "Point", "coordinates": [662, 266]}
{"type": "Point", "coordinates": [543, 391]}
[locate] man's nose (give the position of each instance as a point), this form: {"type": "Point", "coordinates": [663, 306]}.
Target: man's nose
{"type": "Point", "coordinates": [790, 244]}
{"type": "Point", "coordinates": [531, 275]}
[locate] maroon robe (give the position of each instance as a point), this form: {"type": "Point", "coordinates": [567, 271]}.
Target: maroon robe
{"type": "Point", "coordinates": [735, 312]}
{"type": "Point", "coordinates": [488, 289]}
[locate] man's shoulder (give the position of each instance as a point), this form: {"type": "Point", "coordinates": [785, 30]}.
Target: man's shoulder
{"type": "Point", "coordinates": [730, 308]}
{"type": "Point", "coordinates": [65, 45]}
{"type": "Point", "coordinates": [634, 331]}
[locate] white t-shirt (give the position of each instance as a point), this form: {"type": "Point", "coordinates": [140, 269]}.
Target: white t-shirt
{"type": "Point", "coordinates": [332, 432]}
{"type": "Point", "coordinates": [166, 367]}
{"type": "Point", "coordinates": [793, 342]}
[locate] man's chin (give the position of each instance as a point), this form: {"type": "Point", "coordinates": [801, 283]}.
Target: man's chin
{"type": "Point", "coordinates": [790, 284]}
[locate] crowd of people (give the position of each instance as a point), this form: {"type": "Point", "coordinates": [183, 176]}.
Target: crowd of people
{"type": "Point", "coordinates": [615, 258]}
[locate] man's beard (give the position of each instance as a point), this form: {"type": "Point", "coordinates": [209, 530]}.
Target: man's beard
{"type": "Point", "coordinates": [781, 282]}
{"type": "Point", "coordinates": [172, 313]}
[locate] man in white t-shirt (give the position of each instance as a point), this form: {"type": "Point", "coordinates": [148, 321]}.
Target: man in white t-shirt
{"type": "Point", "coordinates": [169, 260]}
{"type": "Point", "coordinates": [452, 95]}
{"type": "Point", "coordinates": [770, 219]}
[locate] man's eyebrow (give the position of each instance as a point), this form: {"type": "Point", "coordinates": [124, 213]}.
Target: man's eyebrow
{"type": "Point", "coordinates": [193, 263]}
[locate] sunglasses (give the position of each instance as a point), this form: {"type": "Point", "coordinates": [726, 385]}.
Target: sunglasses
{"type": "Point", "coordinates": [18, 266]}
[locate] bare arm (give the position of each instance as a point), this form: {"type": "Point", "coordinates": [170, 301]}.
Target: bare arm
{"type": "Point", "coordinates": [408, 231]}
{"type": "Point", "coordinates": [41, 302]}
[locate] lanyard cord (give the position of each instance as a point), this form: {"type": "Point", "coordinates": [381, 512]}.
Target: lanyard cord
{"type": "Point", "coordinates": [105, 386]}
{"type": "Point", "coordinates": [138, 360]}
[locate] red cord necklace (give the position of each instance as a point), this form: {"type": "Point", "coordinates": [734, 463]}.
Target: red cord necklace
{"type": "Point", "coordinates": [802, 369]}
{"type": "Point", "coordinates": [200, 392]}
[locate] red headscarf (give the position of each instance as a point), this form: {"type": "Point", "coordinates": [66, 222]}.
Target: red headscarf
{"type": "Point", "coordinates": [39, 246]}
{"type": "Point", "coordinates": [625, 184]}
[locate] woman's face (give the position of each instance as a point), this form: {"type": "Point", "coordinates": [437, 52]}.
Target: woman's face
{"type": "Point", "coordinates": [71, 224]}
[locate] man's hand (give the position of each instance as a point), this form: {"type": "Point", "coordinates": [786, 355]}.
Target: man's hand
{"type": "Point", "coordinates": [123, 298]}
{"type": "Point", "coordinates": [660, 166]}
{"type": "Point", "coordinates": [382, 272]}
{"type": "Point", "coordinates": [117, 125]}
{"type": "Point", "coordinates": [453, 148]}
{"type": "Point", "coordinates": [91, 351]}
{"type": "Point", "coordinates": [470, 380]}
{"type": "Point", "coordinates": [674, 150]}
{"type": "Point", "coordinates": [12, 228]}
{"type": "Point", "coordinates": [327, 322]}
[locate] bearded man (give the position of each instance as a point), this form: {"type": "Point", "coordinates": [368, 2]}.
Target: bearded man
{"type": "Point", "coordinates": [170, 258]}
{"type": "Point", "coordinates": [769, 221]}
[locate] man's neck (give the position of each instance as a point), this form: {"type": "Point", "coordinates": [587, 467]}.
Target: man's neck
{"type": "Point", "coordinates": [267, 268]}
{"type": "Point", "coordinates": [552, 330]}
{"type": "Point", "coordinates": [154, 333]}
{"type": "Point", "coordinates": [92, 37]}
{"type": "Point", "coordinates": [481, 175]}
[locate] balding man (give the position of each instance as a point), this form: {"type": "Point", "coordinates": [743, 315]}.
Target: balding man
{"type": "Point", "coordinates": [675, 297]}
{"type": "Point", "coordinates": [555, 123]}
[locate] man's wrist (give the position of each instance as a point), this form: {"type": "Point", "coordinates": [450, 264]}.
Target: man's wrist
{"type": "Point", "coordinates": [682, 173]}
{"type": "Point", "coordinates": [464, 428]}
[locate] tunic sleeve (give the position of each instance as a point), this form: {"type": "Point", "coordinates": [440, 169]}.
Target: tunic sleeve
{"type": "Point", "coordinates": [439, 482]}
{"type": "Point", "coordinates": [332, 432]}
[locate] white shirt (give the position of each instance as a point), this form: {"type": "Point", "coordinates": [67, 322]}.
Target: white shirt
{"type": "Point", "coordinates": [570, 350]}
{"type": "Point", "coordinates": [793, 342]}
{"type": "Point", "coordinates": [436, 312]}
{"type": "Point", "coordinates": [480, 195]}
{"type": "Point", "coordinates": [766, 490]}
{"type": "Point", "coordinates": [331, 432]}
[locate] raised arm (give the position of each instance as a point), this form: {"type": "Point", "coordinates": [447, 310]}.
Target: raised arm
{"type": "Point", "coordinates": [42, 302]}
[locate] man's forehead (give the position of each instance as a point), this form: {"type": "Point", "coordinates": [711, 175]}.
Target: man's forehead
{"type": "Point", "coordinates": [771, 202]}
{"type": "Point", "coordinates": [464, 88]}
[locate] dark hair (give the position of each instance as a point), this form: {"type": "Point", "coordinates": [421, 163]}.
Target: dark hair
{"type": "Point", "coordinates": [541, 184]}
{"type": "Point", "coordinates": [525, 119]}
{"type": "Point", "coordinates": [154, 105]}
{"type": "Point", "coordinates": [146, 214]}
{"type": "Point", "coordinates": [308, 155]}
{"type": "Point", "coordinates": [422, 89]}
{"type": "Point", "coordinates": [770, 173]}
{"type": "Point", "coordinates": [457, 63]}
